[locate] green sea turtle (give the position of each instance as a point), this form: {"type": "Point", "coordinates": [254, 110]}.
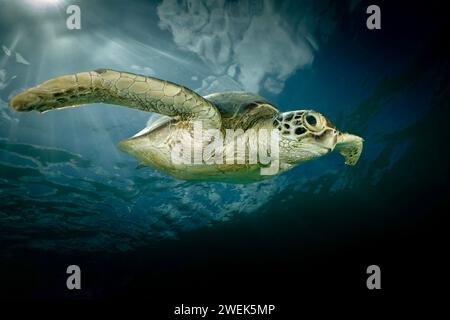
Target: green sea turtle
{"type": "Point", "coordinates": [303, 134]}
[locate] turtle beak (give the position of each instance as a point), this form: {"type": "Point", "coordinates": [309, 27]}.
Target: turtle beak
{"type": "Point", "coordinates": [328, 140]}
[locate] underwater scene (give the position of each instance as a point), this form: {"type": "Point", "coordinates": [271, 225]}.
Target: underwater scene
{"type": "Point", "coordinates": [69, 195]}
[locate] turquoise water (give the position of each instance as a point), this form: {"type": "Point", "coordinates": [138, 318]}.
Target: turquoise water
{"type": "Point", "coordinates": [65, 187]}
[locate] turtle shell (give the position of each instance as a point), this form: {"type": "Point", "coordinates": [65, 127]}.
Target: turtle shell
{"type": "Point", "coordinates": [241, 109]}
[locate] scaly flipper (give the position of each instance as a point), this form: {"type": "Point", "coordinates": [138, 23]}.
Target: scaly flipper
{"type": "Point", "coordinates": [350, 147]}
{"type": "Point", "coordinates": [120, 88]}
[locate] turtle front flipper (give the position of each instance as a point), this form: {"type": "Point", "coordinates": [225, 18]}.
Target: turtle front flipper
{"type": "Point", "coordinates": [119, 88]}
{"type": "Point", "coordinates": [350, 147]}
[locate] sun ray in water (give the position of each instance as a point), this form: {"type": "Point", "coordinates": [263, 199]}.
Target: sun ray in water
{"type": "Point", "coordinates": [62, 171]}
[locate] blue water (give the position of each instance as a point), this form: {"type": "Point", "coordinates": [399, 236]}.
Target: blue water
{"type": "Point", "coordinates": [65, 187]}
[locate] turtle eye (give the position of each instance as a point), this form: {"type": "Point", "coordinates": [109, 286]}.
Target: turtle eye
{"type": "Point", "coordinates": [313, 122]}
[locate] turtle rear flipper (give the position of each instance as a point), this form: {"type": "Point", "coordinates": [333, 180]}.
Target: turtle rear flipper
{"type": "Point", "coordinates": [119, 88]}
{"type": "Point", "coordinates": [350, 147]}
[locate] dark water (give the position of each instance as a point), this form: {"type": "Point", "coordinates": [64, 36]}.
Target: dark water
{"type": "Point", "coordinates": [68, 196]}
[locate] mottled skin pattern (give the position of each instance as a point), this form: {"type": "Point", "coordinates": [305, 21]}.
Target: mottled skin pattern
{"type": "Point", "coordinates": [304, 134]}
{"type": "Point", "coordinates": [304, 126]}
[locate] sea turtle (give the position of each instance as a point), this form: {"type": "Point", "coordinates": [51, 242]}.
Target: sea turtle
{"type": "Point", "coordinates": [303, 134]}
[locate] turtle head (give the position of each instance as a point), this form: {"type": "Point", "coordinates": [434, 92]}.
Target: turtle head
{"type": "Point", "coordinates": [307, 135]}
